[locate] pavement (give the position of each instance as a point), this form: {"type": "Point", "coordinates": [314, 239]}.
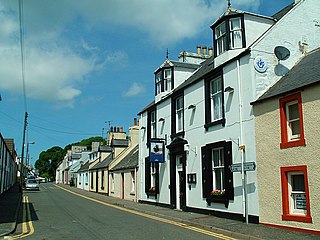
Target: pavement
{"type": "Point", "coordinates": [10, 203]}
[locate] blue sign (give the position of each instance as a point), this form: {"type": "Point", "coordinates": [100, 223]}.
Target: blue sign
{"type": "Point", "coordinates": [157, 151]}
{"type": "Point", "coordinates": [260, 65]}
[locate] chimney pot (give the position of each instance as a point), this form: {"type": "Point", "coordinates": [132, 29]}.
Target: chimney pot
{"type": "Point", "coordinates": [135, 121]}
{"type": "Point", "coordinates": [210, 51]}
{"type": "Point", "coordinates": [198, 49]}
{"type": "Point", "coordinates": [204, 48]}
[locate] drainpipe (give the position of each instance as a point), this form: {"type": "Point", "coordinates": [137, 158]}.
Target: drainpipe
{"type": "Point", "coordinates": [242, 149]}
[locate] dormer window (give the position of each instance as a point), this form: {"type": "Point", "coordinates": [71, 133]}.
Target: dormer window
{"type": "Point", "coordinates": [164, 80]}
{"type": "Point", "coordinates": [229, 35]}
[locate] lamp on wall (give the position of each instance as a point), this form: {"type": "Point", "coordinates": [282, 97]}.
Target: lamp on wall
{"type": "Point", "coordinates": [229, 89]}
{"type": "Point", "coordinates": [161, 120]}
{"type": "Point", "coordinates": [191, 106]}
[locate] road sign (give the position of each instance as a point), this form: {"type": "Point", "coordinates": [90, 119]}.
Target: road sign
{"type": "Point", "coordinates": [247, 166]}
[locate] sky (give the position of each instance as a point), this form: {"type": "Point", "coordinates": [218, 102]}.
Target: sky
{"type": "Point", "coordinates": [88, 65]}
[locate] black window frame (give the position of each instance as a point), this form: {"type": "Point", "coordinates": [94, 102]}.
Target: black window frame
{"type": "Point", "coordinates": [148, 178]}
{"type": "Point", "coordinates": [150, 111]}
{"type": "Point", "coordinates": [227, 25]}
{"type": "Point", "coordinates": [174, 132]}
{"type": "Point", "coordinates": [161, 71]}
{"type": "Point", "coordinates": [207, 176]}
{"type": "Point", "coordinates": [208, 121]}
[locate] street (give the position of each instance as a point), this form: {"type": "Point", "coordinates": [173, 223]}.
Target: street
{"type": "Point", "coordinates": [54, 213]}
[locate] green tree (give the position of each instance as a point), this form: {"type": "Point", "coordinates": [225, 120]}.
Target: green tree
{"type": "Point", "coordinates": [49, 160]}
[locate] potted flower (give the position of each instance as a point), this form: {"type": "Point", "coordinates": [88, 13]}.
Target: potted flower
{"type": "Point", "coordinates": [218, 192]}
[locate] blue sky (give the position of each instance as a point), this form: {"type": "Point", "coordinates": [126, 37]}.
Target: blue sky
{"type": "Point", "coordinates": [89, 62]}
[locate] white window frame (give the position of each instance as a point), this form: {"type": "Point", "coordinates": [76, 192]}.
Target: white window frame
{"type": "Point", "coordinates": [167, 76]}
{"type": "Point", "coordinates": [153, 124]}
{"type": "Point", "coordinates": [235, 33]}
{"type": "Point", "coordinates": [133, 182]}
{"type": "Point", "coordinates": [153, 172]}
{"type": "Point", "coordinates": [216, 99]}
{"type": "Point", "coordinates": [221, 38]}
{"type": "Point", "coordinates": [158, 82]}
{"type": "Point", "coordinates": [290, 122]}
{"type": "Point", "coordinates": [293, 194]}
{"type": "Point", "coordinates": [179, 114]}
{"type": "Point", "coordinates": [112, 182]}
{"type": "Point", "coordinates": [218, 168]}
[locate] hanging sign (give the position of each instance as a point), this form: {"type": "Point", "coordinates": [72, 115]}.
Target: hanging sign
{"type": "Point", "coordinates": [157, 151]}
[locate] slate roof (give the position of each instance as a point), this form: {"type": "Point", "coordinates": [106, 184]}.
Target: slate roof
{"type": "Point", "coordinates": [103, 164]}
{"type": "Point", "coordinates": [129, 161]}
{"type": "Point", "coordinates": [120, 142]}
{"type": "Point", "coordinates": [283, 11]}
{"type": "Point", "coordinates": [306, 72]}
{"type": "Point", "coordinates": [84, 167]}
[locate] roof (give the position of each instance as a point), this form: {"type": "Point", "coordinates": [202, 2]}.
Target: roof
{"type": "Point", "coordinates": [304, 73]}
{"type": "Point", "coordinates": [129, 161]}
{"type": "Point", "coordinates": [84, 167]}
{"type": "Point", "coordinates": [283, 12]}
{"type": "Point", "coordinates": [120, 142]}
{"type": "Point", "coordinates": [103, 164]}
{"type": "Point", "coordinates": [105, 148]}
{"type": "Point", "coordinates": [171, 63]}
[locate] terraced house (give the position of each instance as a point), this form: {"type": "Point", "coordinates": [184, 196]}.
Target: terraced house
{"type": "Point", "coordinates": [197, 146]}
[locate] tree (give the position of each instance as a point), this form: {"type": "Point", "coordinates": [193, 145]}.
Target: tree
{"type": "Point", "coordinates": [49, 160]}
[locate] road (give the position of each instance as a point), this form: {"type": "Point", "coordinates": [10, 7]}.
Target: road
{"type": "Point", "coordinates": [54, 213]}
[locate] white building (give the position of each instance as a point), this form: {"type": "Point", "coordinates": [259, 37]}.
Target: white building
{"type": "Point", "coordinates": [201, 122]}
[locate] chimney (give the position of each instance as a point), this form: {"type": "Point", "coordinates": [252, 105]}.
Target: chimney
{"type": "Point", "coordinates": [204, 48]}
{"type": "Point", "coordinates": [121, 129]}
{"type": "Point", "coordinates": [135, 122]}
{"type": "Point", "coordinates": [198, 49]}
{"type": "Point", "coordinates": [210, 51]}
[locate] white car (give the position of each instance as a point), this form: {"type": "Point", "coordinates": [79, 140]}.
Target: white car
{"type": "Point", "coordinates": [32, 184]}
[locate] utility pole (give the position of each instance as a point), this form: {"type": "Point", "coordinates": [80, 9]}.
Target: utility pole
{"type": "Point", "coordinates": [22, 154]}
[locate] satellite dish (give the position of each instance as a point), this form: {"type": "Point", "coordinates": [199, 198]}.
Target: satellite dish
{"type": "Point", "coordinates": [282, 53]}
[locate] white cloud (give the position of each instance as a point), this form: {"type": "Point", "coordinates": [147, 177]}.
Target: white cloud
{"type": "Point", "coordinates": [58, 63]}
{"type": "Point", "coordinates": [134, 90]}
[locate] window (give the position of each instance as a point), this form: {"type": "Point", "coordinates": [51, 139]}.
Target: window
{"type": "Point", "coordinates": [221, 38]}
{"type": "Point", "coordinates": [235, 33]}
{"type": "Point", "coordinates": [217, 178]}
{"type": "Point", "coordinates": [91, 180]}
{"type": "Point", "coordinates": [158, 82]}
{"type": "Point", "coordinates": [151, 177]}
{"type": "Point", "coordinates": [216, 98]}
{"type": "Point", "coordinates": [214, 101]}
{"type": "Point", "coordinates": [218, 169]}
{"type": "Point", "coordinates": [102, 179]}
{"type": "Point", "coordinates": [167, 80]}
{"type": "Point", "coordinates": [291, 120]}
{"type": "Point", "coordinates": [163, 80]}
{"type": "Point", "coordinates": [295, 194]}
{"type": "Point", "coordinates": [112, 183]}
{"type": "Point", "coordinates": [229, 34]}
{"type": "Point", "coordinates": [133, 182]}
{"type": "Point", "coordinates": [179, 114]}
{"type": "Point", "coordinates": [153, 124]}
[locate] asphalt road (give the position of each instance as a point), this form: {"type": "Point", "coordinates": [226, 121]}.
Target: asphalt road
{"type": "Point", "coordinates": [53, 213]}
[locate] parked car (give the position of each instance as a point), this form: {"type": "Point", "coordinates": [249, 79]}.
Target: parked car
{"type": "Point", "coordinates": [32, 184]}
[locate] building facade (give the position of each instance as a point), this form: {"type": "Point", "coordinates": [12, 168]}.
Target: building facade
{"type": "Point", "coordinates": [197, 138]}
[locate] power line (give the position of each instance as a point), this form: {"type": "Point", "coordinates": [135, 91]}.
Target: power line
{"type": "Point", "coordinates": [22, 54]}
